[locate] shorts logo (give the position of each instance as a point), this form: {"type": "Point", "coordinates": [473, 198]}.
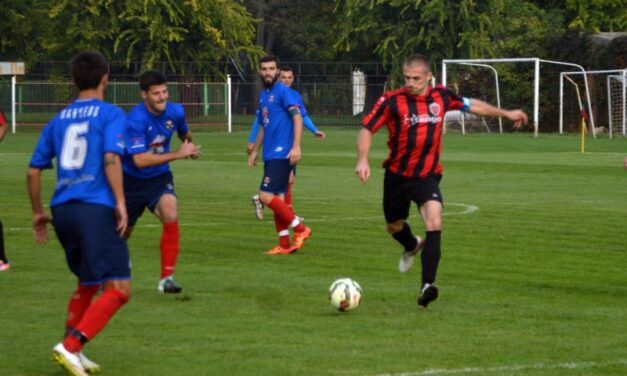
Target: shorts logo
{"type": "Point", "coordinates": [435, 195]}
{"type": "Point", "coordinates": [434, 109]}
{"type": "Point", "coordinates": [170, 186]}
{"type": "Point", "coordinates": [169, 124]}
{"type": "Point", "coordinates": [266, 181]}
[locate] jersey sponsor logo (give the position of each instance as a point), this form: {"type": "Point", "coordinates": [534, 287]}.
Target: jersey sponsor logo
{"type": "Point", "coordinates": [271, 99]}
{"type": "Point", "coordinates": [169, 124]}
{"type": "Point", "coordinates": [137, 142]}
{"type": "Point", "coordinates": [157, 144]}
{"type": "Point", "coordinates": [434, 109]}
{"type": "Point", "coordinates": [417, 119]}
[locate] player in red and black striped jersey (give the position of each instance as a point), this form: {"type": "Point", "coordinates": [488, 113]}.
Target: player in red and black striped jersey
{"type": "Point", "coordinates": [4, 262]}
{"type": "Point", "coordinates": [414, 115]}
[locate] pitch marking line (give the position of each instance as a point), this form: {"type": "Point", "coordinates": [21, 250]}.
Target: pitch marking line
{"type": "Point", "coordinates": [512, 368]}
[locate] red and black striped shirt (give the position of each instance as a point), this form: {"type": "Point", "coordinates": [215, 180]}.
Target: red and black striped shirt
{"type": "Point", "coordinates": [415, 128]}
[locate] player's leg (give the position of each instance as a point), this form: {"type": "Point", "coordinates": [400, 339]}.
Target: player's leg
{"type": "Point", "coordinates": [95, 254]}
{"type": "Point", "coordinates": [431, 212]}
{"type": "Point", "coordinates": [4, 262]}
{"type": "Point", "coordinates": [167, 212]}
{"type": "Point", "coordinates": [396, 204]}
{"type": "Point", "coordinates": [271, 192]}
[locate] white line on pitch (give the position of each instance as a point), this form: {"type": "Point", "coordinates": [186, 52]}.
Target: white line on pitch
{"type": "Point", "coordinates": [511, 368]}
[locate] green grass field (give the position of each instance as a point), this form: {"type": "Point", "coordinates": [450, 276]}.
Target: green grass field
{"type": "Point", "coordinates": [533, 277]}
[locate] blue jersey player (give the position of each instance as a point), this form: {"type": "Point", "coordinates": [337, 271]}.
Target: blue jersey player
{"type": "Point", "coordinates": [88, 208]}
{"type": "Point", "coordinates": [286, 76]}
{"type": "Point", "coordinates": [148, 181]}
{"type": "Point", "coordinates": [281, 128]}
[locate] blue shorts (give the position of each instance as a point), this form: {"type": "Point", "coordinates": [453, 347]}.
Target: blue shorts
{"type": "Point", "coordinates": [145, 193]}
{"type": "Point", "coordinates": [94, 250]}
{"type": "Point", "coordinates": [276, 176]}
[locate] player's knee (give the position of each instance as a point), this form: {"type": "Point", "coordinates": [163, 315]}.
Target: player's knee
{"type": "Point", "coordinates": [266, 198]}
{"type": "Point", "coordinates": [433, 224]}
{"type": "Point", "coordinates": [395, 227]}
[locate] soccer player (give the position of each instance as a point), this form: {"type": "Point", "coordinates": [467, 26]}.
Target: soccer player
{"type": "Point", "coordinates": [4, 261]}
{"type": "Point", "coordinates": [88, 207]}
{"type": "Point", "coordinates": [148, 181]}
{"type": "Point", "coordinates": [413, 116]}
{"type": "Point", "coordinates": [286, 76]}
{"type": "Point", "coordinates": [280, 116]}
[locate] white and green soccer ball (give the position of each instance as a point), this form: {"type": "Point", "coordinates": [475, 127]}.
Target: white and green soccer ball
{"type": "Point", "coordinates": [345, 294]}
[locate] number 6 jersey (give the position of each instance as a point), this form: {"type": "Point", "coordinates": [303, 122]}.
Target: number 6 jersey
{"type": "Point", "coordinates": [78, 137]}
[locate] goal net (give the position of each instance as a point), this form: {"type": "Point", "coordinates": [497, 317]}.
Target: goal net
{"type": "Point", "coordinates": [617, 99]}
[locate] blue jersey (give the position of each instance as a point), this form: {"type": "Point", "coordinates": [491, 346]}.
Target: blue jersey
{"type": "Point", "coordinates": [146, 132]}
{"type": "Point", "coordinates": [303, 111]}
{"type": "Point", "coordinates": [78, 137]}
{"type": "Point", "coordinates": [276, 120]}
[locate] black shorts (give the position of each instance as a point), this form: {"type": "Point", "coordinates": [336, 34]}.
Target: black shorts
{"type": "Point", "coordinates": [145, 193]}
{"type": "Point", "coordinates": [94, 250]}
{"type": "Point", "coordinates": [399, 191]}
{"type": "Point", "coordinates": [276, 176]}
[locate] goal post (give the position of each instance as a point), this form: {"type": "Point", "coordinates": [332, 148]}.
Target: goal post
{"type": "Point", "coordinates": [536, 87]}
{"type": "Point", "coordinates": [617, 103]}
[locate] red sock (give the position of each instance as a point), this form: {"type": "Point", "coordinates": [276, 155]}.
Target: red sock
{"type": "Point", "coordinates": [169, 248]}
{"type": "Point", "coordinates": [79, 302]}
{"type": "Point", "coordinates": [283, 231]}
{"type": "Point", "coordinates": [96, 317]}
{"type": "Point", "coordinates": [288, 196]}
{"type": "Point", "coordinates": [281, 209]}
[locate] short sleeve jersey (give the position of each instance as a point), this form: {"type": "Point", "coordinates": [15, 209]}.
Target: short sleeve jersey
{"type": "Point", "coordinates": [274, 116]}
{"type": "Point", "coordinates": [414, 125]}
{"type": "Point", "coordinates": [78, 137]}
{"type": "Point", "coordinates": [147, 132]}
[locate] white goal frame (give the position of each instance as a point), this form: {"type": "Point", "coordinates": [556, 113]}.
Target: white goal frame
{"type": "Point", "coordinates": [622, 78]}
{"type": "Point", "coordinates": [536, 95]}
{"type": "Point", "coordinates": [585, 74]}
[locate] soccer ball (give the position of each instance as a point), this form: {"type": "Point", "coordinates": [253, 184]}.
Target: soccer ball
{"type": "Point", "coordinates": [345, 294]}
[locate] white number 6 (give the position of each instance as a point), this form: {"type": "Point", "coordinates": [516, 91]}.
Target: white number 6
{"type": "Point", "coordinates": [74, 146]}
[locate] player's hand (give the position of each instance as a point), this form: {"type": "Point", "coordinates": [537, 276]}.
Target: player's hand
{"type": "Point", "coordinates": [519, 117]}
{"type": "Point", "coordinates": [122, 219]}
{"type": "Point", "coordinates": [320, 135]}
{"type": "Point", "coordinates": [188, 149]}
{"type": "Point", "coordinates": [196, 156]}
{"type": "Point", "coordinates": [40, 228]}
{"type": "Point", "coordinates": [249, 147]}
{"type": "Point", "coordinates": [363, 171]}
{"type": "Point", "coordinates": [252, 158]}
{"type": "Point", "coordinates": [294, 155]}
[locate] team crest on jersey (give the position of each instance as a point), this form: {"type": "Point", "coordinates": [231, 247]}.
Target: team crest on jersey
{"type": "Point", "coordinates": [434, 109]}
{"type": "Point", "coordinates": [169, 124]}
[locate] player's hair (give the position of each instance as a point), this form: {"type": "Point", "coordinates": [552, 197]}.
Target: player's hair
{"type": "Point", "coordinates": [151, 78]}
{"type": "Point", "coordinates": [269, 58]}
{"type": "Point", "coordinates": [417, 59]}
{"type": "Point", "coordinates": [286, 68]}
{"type": "Point", "coordinates": [88, 68]}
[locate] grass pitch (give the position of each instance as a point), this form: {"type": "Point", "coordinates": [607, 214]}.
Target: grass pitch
{"type": "Point", "coordinates": [533, 276]}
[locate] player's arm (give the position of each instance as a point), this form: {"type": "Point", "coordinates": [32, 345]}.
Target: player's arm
{"type": "Point", "coordinates": [364, 141]}
{"type": "Point", "coordinates": [186, 136]}
{"type": "Point", "coordinates": [308, 123]}
{"type": "Point", "coordinates": [40, 218]}
{"type": "Point", "coordinates": [481, 108]}
{"type": "Point", "coordinates": [149, 159]}
{"type": "Point", "coordinates": [252, 137]}
{"type": "Point", "coordinates": [254, 151]}
{"type": "Point", "coordinates": [113, 170]}
{"type": "Point", "coordinates": [297, 119]}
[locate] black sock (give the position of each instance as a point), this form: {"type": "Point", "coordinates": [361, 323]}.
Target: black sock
{"type": "Point", "coordinates": [406, 238]}
{"type": "Point", "coordinates": [430, 256]}
{"type": "Point", "coordinates": [3, 257]}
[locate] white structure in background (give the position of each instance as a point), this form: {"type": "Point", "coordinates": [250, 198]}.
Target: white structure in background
{"type": "Point", "coordinates": [12, 69]}
{"type": "Point", "coordinates": [359, 92]}
{"type": "Point", "coordinates": [569, 77]}
{"type": "Point", "coordinates": [536, 86]}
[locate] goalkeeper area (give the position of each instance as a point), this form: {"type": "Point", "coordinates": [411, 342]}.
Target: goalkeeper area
{"type": "Point", "coordinates": [532, 276]}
